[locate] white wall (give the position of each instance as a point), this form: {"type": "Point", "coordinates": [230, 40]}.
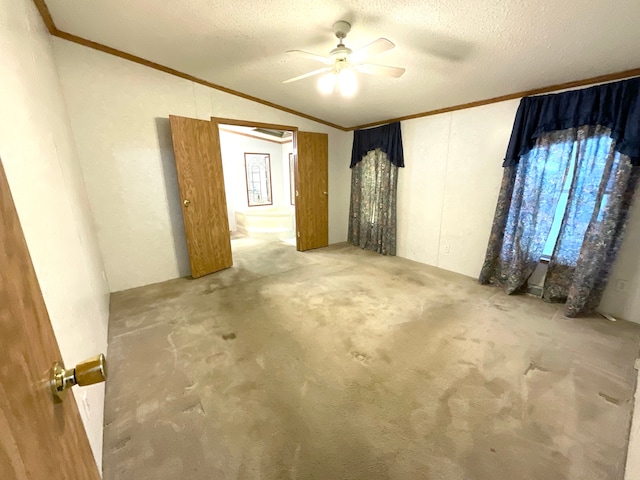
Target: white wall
{"type": "Point", "coordinates": [40, 159]}
{"type": "Point", "coordinates": [119, 112]}
{"type": "Point", "coordinates": [233, 147]}
{"type": "Point", "coordinates": [626, 305]}
{"type": "Point", "coordinates": [448, 191]}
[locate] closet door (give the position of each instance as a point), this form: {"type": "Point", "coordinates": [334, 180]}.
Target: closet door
{"type": "Point", "coordinates": [196, 144]}
{"type": "Point", "coordinates": [39, 438]}
{"type": "Point", "coordinates": [312, 190]}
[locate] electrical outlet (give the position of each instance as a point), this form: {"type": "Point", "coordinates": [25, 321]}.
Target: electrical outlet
{"type": "Point", "coordinates": [446, 249]}
{"type": "Point", "coordinates": [622, 286]}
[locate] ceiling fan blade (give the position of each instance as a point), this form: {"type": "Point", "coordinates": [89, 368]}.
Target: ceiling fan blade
{"type": "Point", "coordinates": [374, 48]}
{"type": "Point", "coordinates": [310, 74]}
{"type": "Point", "coordinates": [311, 56]}
{"type": "Point", "coordinates": [385, 70]}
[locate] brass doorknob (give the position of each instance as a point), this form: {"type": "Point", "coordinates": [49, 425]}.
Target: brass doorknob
{"type": "Point", "coordinates": [187, 203]}
{"type": "Point", "coordinates": [93, 370]}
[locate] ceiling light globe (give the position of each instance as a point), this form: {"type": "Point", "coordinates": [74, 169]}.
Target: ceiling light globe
{"type": "Point", "coordinates": [327, 83]}
{"type": "Point", "coordinates": [347, 82]}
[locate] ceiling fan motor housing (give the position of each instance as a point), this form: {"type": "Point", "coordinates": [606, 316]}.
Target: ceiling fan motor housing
{"type": "Point", "coordinates": [340, 52]}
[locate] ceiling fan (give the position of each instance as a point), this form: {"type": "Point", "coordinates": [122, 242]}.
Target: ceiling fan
{"type": "Point", "coordinates": [342, 63]}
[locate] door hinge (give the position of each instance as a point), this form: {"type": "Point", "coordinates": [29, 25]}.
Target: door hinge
{"type": "Point", "coordinates": [298, 234]}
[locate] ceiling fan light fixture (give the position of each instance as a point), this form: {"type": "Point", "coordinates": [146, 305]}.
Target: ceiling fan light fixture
{"type": "Point", "coordinates": [347, 82]}
{"type": "Point", "coordinates": [339, 72]}
{"type": "Point", "coordinates": [327, 83]}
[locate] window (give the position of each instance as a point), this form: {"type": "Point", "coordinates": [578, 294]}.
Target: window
{"type": "Point", "coordinates": [577, 212]}
{"type": "Point", "coordinates": [560, 210]}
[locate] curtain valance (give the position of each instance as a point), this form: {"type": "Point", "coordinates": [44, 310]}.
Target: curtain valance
{"type": "Point", "coordinates": [614, 105]}
{"type": "Point", "coordinates": [387, 138]}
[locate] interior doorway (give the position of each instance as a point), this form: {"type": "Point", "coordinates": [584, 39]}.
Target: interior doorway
{"type": "Point", "coordinates": [259, 176]}
{"type": "Point", "coordinates": [196, 145]}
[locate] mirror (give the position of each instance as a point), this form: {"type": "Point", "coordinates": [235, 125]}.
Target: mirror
{"type": "Point", "coordinates": [258, 171]}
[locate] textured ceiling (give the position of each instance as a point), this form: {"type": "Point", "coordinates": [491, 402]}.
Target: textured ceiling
{"type": "Point", "coordinates": [455, 51]}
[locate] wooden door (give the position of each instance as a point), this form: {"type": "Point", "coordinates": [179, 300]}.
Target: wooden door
{"type": "Point", "coordinates": [312, 188]}
{"type": "Point", "coordinates": [196, 144]}
{"type": "Point", "coordinates": [39, 439]}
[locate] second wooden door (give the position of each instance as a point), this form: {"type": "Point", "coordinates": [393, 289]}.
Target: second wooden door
{"type": "Point", "coordinates": [312, 190]}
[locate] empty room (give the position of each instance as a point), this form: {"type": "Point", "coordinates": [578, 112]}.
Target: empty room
{"type": "Point", "coordinates": [319, 240]}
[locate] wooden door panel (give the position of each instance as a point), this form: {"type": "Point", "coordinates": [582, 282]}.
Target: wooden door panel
{"type": "Point", "coordinates": [312, 184]}
{"type": "Point", "coordinates": [39, 439]}
{"type": "Point", "coordinates": [196, 144]}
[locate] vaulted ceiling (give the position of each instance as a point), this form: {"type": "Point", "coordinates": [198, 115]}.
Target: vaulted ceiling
{"type": "Point", "coordinates": [454, 51]}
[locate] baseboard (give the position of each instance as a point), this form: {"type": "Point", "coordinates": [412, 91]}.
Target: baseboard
{"type": "Point", "coordinates": [632, 470]}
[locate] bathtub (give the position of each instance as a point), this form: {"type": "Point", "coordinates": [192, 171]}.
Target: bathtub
{"type": "Point", "coordinates": [266, 222]}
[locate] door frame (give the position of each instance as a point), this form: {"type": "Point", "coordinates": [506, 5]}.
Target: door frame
{"type": "Point", "coordinates": [251, 123]}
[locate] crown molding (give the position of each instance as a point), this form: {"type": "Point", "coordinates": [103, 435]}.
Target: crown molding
{"type": "Point", "coordinates": [46, 16]}
{"type": "Point", "coordinates": [53, 30]}
{"type": "Point", "coordinates": [610, 77]}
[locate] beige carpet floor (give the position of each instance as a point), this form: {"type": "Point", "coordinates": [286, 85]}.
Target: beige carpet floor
{"type": "Point", "coordinates": [342, 364]}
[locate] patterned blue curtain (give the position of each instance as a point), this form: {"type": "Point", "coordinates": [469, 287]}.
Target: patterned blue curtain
{"type": "Point", "coordinates": [526, 208]}
{"type": "Point", "coordinates": [601, 190]}
{"type": "Point", "coordinates": [595, 219]}
{"type": "Point", "coordinates": [372, 214]}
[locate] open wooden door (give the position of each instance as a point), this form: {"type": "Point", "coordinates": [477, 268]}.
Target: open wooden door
{"type": "Point", "coordinates": [312, 190]}
{"type": "Point", "coordinates": [196, 144]}
{"type": "Point", "coordinates": [39, 439]}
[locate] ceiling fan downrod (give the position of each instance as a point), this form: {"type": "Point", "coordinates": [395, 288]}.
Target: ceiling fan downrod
{"type": "Point", "coordinates": [340, 30]}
